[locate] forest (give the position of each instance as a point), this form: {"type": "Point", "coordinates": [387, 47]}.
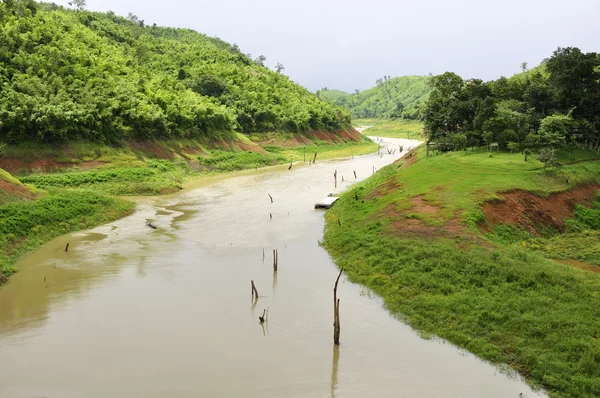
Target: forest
{"type": "Point", "coordinates": [74, 74]}
{"type": "Point", "coordinates": [555, 105]}
{"type": "Point", "coordinates": [391, 97]}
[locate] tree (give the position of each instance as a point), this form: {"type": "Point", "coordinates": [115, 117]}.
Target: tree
{"type": "Point", "coordinates": [527, 153]}
{"type": "Point", "coordinates": [576, 78]}
{"type": "Point", "coordinates": [279, 67]}
{"type": "Point", "coordinates": [133, 18]}
{"type": "Point", "coordinates": [524, 66]}
{"type": "Point", "coordinates": [396, 113]}
{"type": "Point", "coordinates": [78, 4]}
{"type": "Point", "coordinates": [553, 131]}
{"type": "Point", "coordinates": [513, 146]}
{"type": "Point", "coordinates": [260, 60]}
{"type": "Point", "coordinates": [548, 157]}
{"type": "Point", "coordinates": [356, 91]}
{"type": "Point", "coordinates": [459, 141]}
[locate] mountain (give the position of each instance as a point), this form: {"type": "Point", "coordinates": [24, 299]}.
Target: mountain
{"type": "Point", "coordinates": [386, 99]}
{"type": "Point", "coordinates": [69, 74]}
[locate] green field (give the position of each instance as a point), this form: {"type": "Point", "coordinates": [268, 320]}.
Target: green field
{"type": "Point", "coordinates": [392, 128]}
{"type": "Point", "coordinates": [413, 234]}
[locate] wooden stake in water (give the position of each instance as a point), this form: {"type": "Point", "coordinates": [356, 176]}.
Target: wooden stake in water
{"type": "Point", "coordinates": [336, 312]}
{"type": "Point", "coordinates": [254, 291]}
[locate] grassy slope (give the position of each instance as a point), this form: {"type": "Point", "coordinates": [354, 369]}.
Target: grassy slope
{"type": "Point", "coordinates": [392, 128]}
{"type": "Point", "coordinates": [501, 301]}
{"type": "Point", "coordinates": [28, 220]}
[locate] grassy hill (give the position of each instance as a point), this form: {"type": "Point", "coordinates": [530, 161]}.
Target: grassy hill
{"type": "Point", "coordinates": [382, 100]}
{"type": "Point", "coordinates": [85, 75]}
{"type": "Point", "coordinates": [489, 252]}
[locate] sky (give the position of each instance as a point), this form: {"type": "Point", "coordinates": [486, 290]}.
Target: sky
{"type": "Point", "coordinates": [348, 44]}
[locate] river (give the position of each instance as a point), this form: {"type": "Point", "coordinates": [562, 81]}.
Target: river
{"type": "Point", "coordinates": [130, 311]}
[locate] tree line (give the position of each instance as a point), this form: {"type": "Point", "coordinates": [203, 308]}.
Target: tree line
{"type": "Point", "coordinates": [555, 105]}
{"type": "Point", "coordinates": [391, 97]}
{"type": "Point", "coordinates": [74, 74]}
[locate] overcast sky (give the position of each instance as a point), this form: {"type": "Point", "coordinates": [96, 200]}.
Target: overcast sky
{"type": "Point", "coordinates": [348, 44]}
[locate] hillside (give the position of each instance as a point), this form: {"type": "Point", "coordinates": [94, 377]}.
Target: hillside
{"type": "Point", "coordinates": [393, 97]}
{"type": "Point", "coordinates": [490, 253]}
{"type": "Point", "coordinates": [77, 74]}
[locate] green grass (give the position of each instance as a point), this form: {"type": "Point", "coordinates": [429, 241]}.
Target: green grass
{"type": "Point", "coordinates": [27, 225]}
{"type": "Point", "coordinates": [153, 179]}
{"type": "Point", "coordinates": [392, 128]}
{"type": "Point", "coordinates": [500, 300]}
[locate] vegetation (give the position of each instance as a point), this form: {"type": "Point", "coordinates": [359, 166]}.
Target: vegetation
{"type": "Point", "coordinates": [426, 236]}
{"type": "Point", "coordinates": [413, 233]}
{"type": "Point", "coordinates": [96, 76]}
{"type": "Point", "coordinates": [26, 224]}
{"type": "Point", "coordinates": [391, 98]}
{"type": "Point", "coordinates": [552, 106]}
{"type": "Point", "coordinates": [392, 128]}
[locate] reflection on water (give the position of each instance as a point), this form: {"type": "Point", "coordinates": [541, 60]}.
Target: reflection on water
{"type": "Point", "coordinates": [131, 311]}
{"type": "Point", "coordinates": [334, 369]}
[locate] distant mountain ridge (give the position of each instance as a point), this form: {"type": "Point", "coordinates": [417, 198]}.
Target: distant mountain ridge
{"type": "Point", "coordinates": [403, 95]}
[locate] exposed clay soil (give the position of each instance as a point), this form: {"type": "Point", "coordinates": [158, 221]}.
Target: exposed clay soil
{"type": "Point", "coordinates": [404, 226]}
{"type": "Point", "coordinates": [535, 213]}
{"type": "Point", "coordinates": [305, 139]}
{"type": "Point", "coordinates": [16, 190]}
{"type": "Point", "coordinates": [154, 149]}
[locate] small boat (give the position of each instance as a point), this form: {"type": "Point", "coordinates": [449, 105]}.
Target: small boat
{"type": "Point", "coordinates": [326, 203]}
{"type": "Point", "coordinates": [148, 223]}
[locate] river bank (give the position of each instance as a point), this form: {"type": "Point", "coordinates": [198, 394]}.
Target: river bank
{"type": "Point", "coordinates": [60, 181]}
{"type": "Point", "coordinates": [461, 245]}
{"type": "Point", "coordinates": [125, 295]}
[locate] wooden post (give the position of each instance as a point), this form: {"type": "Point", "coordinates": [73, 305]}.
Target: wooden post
{"type": "Point", "coordinates": [254, 291]}
{"type": "Point", "coordinates": [335, 178]}
{"type": "Point", "coordinates": [315, 159]}
{"type": "Point", "coordinates": [67, 248]}
{"type": "Point", "coordinates": [289, 168]}
{"type": "Point", "coordinates": [263, 259]}
{"type": "Point", "coordinates": [271, 215]}
{"type": "Point", "coordinates": [270, 197]}
{"type": "Point", "coordinates": [355, 174]}
{"type": "Point", "coordinates": [336, 311]}
{"type": "Point", "coordinates": [275, 259]}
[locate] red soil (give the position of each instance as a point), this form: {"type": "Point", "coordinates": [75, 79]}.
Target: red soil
{"type": "Point", "coordinates": [16, 190]}
{"type": "Point", "coordinates": [534, 212]}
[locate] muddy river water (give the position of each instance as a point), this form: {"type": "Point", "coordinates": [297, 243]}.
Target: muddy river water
{"type": "Point", "coordinates": [130, 311]}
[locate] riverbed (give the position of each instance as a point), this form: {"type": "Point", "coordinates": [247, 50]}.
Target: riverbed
{"type": "Point", "coordinates": [130, 311]}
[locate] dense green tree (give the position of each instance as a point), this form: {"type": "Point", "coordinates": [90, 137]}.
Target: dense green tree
{"type": "Point", "coordinates": [67, 75]}
{"type": "Point", "coordinates": [382, 100]}
{"type": "Point", "coordinates": [559, 100]}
